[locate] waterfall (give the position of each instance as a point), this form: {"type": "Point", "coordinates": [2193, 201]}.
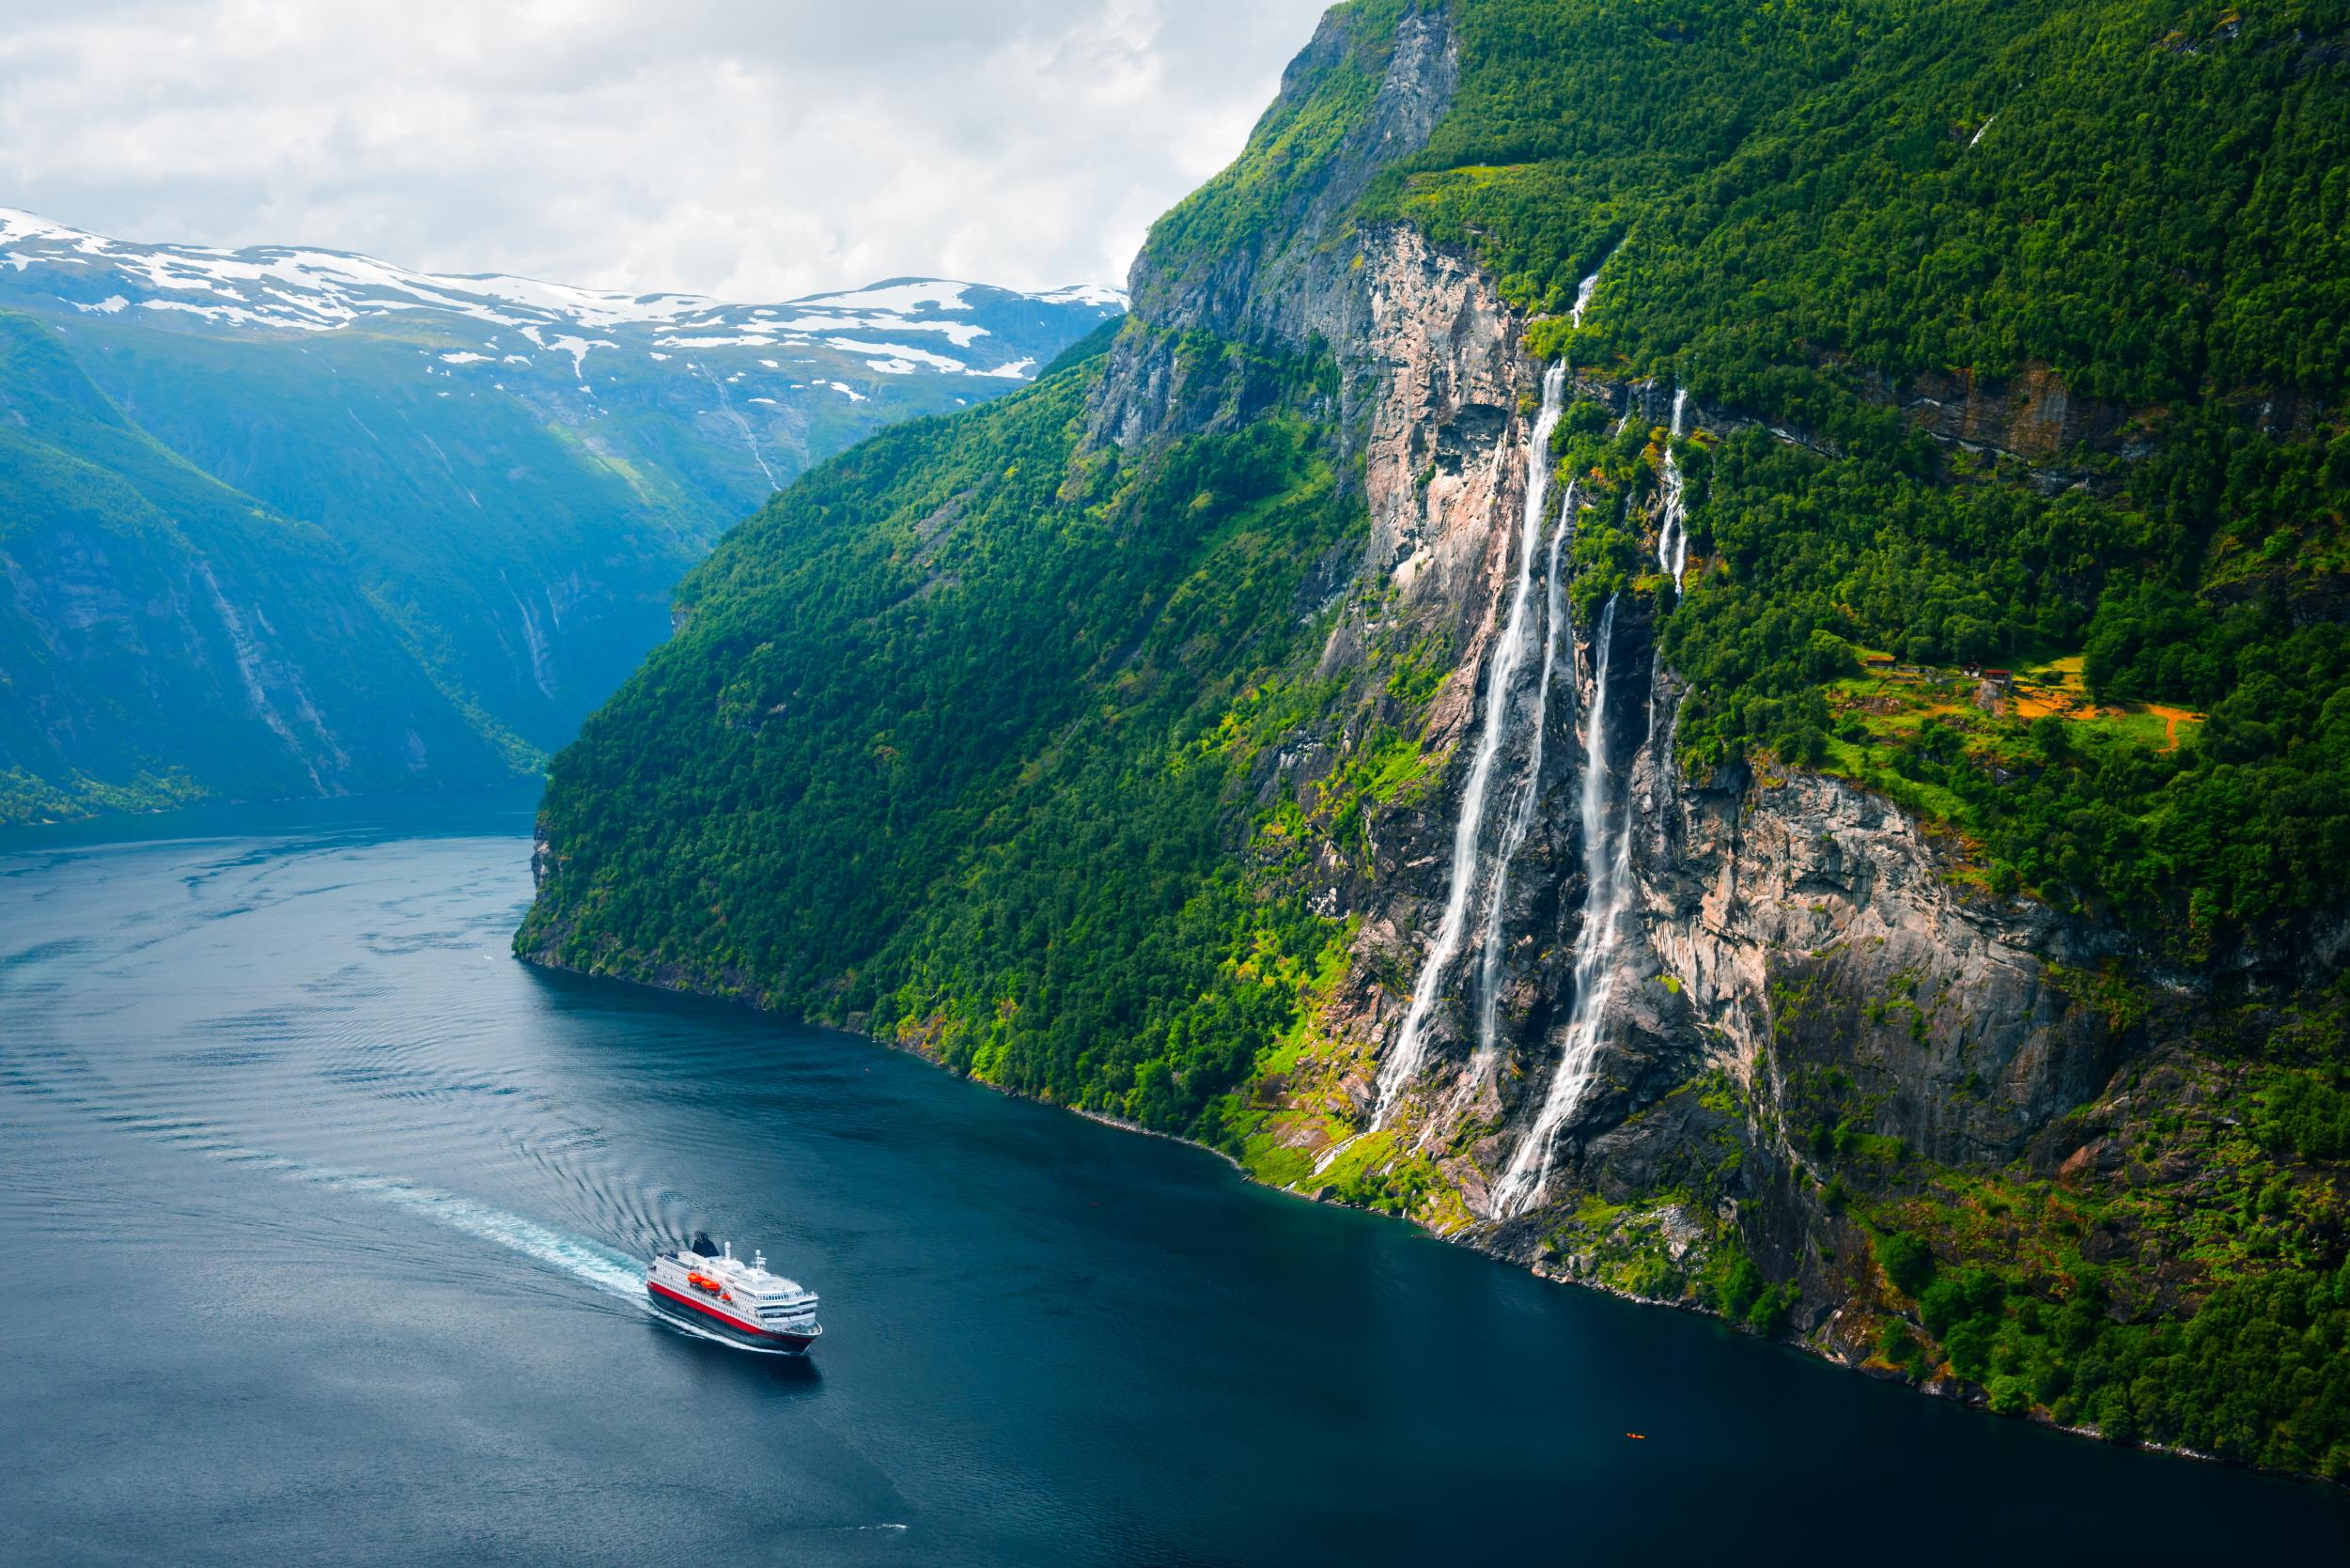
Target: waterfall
{"type": "Point", "coordinates": [1529, 795]}
{"type": "Point", "coordinates": [1673, 534]}
{"type": "Point", "coordinates": [1584, 291]}
{"type": "Point", "coordinates": [1582, 297]}
{"type": "Point", "coordinates": [1607, 900]}
{"type": "Point", "coordinates": [1404, 1063]}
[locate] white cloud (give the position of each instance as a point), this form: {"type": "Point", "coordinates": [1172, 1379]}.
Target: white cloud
{"type": "Point", "coordinates": [741, 149]}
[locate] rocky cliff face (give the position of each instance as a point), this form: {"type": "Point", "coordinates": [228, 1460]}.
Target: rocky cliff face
{"type": "Point", "coordinates": [1796, 953]}
{"type": "Point", "coordinates": [1786, 947]}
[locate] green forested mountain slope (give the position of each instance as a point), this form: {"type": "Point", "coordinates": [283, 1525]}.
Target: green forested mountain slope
{"type": "Point", "coordinates": [951, 707]}
{"type": "Point", "coordinates": [515, 473]}
{"type": "Point", "coordinates": [1816, 207]}
{"type": "Point", "coordinates": [525, 557]}
{"type": "Point", "coordinates": [1814, 215]}
{"type": "Point", "coordinates": [2146, 196]}
{"type": "Point", "coordinates": [164, 637]}
{"type": "Point", "coordinates": [2016, 337]}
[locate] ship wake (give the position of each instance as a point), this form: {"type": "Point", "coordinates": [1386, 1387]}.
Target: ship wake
{"type": "Point", "coordinates": [606, 1268]}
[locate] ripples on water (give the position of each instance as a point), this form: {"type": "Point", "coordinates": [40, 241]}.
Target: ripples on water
{"type": "Point", "coordinates": [328, 1218]}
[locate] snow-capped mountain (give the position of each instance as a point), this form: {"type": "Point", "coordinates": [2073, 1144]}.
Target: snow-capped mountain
{"type": "Point", "coordinates": [497, 479]}
{"type": "Point", "coordinates": [899, 327]}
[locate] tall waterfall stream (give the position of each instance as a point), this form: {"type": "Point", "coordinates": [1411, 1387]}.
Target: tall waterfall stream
{"type": "Point", "coordinates": [1673, 534]}
{"type": "Point", "coordinates": [1607, 831]}
{"type": "Point", "coordinates": [1605, 822]}
{"type": "Point", "coordinates": [1521, 820]}
{"type": "Point", "coordinates": [1404, 1063]}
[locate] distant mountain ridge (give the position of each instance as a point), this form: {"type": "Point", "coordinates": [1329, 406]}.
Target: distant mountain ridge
{"type": "Point", "coordinates": [959, 328]}
{"type": "Point", "coordinates": [508, 476]}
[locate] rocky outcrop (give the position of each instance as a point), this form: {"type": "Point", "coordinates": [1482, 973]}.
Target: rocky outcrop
{"type": "Point", "coordinates": [1813, 928]}
{"type": "Point", "coordinates": [2033, 415]}
{"type": "Point", "coordinates": [1268, 281]}
{"type": "Point", "coordinates": [1305, 278]}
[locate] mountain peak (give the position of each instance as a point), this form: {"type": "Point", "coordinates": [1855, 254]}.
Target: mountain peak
{"type": "Point", "coordinates": [955, 327]}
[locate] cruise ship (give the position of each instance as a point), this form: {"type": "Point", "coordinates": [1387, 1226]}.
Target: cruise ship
{"type": "Point", "coordinates": [728, 1299]}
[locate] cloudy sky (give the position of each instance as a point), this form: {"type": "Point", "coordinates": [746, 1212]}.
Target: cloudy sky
{"type": "Point", "coordinates": [748, 148]}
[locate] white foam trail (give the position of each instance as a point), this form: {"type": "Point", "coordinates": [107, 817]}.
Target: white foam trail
{"type": "Point", "coordinates": [602, 1266]}
{"type": "Point", "coordinates": [1402, 1063]}
{"type": "Point", "coordinates": [598, 1265]}
{"type": "Point", "coordinates": [1607, 899]}
{"type": "Point", "coordinates": [1521, 820]}
{"type": "Point", "coordinates": [1673, 534]}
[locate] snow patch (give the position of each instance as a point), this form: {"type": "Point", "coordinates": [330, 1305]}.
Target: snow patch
{"type": "Point", "coordinates": [16, 224]}
{"type": "Point", "coordinates": [1097, 294]}
{"type": "Point", "coordinates": [237, 314]}
{"type": "Point", "coordinates": [902, 294]}
{"type": "Point", "coordinates": [899, 354]}
{"type": "Point", "coordinates": [962, 334]}
{"type": "Point", "coordinates": [578, 347]}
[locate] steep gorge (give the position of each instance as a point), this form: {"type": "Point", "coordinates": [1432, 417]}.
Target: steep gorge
{"type": "Point", "coordinates": [1354, 822]}
{"type": "Point", "coordinates": [438, 519]}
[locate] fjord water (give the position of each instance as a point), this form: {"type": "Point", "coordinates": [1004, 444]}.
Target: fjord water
{"type": "Point", "coordinates": [323, 1213]}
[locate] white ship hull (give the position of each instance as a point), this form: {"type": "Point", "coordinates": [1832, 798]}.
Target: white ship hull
{"type": "Point", "coordinates": [740, 1303]}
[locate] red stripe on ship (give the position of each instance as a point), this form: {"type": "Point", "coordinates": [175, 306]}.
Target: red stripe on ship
{"type": "Point", "coordinates": [732, 1322]}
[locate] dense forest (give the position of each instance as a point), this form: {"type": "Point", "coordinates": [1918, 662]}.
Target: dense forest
{"type": "Point", "coordinates": [1802, 209]}
{"type": "Point", "coordinates": [960, 737]}
{"type": "Point", "coordinates": [1008, 853]}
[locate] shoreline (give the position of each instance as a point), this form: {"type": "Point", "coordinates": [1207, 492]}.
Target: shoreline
{"type": "Point", "coordinates": [1953, 1390]}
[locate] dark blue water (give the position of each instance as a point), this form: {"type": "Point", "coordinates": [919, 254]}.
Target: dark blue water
{"type": "Point", "coordinates": [321, 1211]}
